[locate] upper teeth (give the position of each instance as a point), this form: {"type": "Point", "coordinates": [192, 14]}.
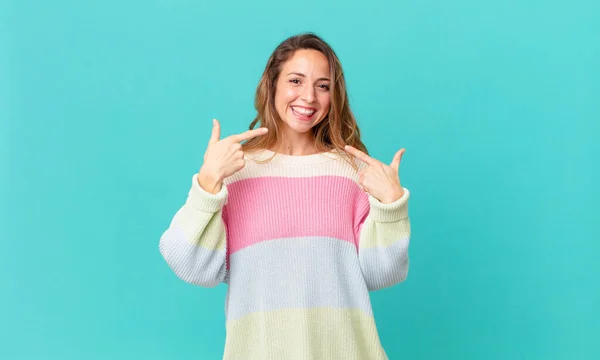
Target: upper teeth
{"type": "Point", "coordinates": [303, 110]}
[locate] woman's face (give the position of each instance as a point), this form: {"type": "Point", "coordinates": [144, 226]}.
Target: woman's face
{"type": "Point", "coordinates": [302, 96]}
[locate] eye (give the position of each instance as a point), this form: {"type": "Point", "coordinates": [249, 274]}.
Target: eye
{"type": "Point", "coordinates": [324, 86]}
{"type": "Point", "coordinates": [295, 81]}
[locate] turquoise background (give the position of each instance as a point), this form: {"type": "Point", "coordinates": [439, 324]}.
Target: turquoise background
{"type": "Point", "coordinates": [106, 110]}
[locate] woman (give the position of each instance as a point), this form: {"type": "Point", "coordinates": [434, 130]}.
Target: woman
{"type": "Point", "coordinates": [299, 221]}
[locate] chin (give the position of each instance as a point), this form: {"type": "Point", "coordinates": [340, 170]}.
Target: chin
{"type": "Point", "coordinates": [301, 129]}
{"type": "Point", "coordinates": [301, 126]}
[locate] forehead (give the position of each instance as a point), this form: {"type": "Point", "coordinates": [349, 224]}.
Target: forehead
{"type": "Point", "coordinates": [308, 62]}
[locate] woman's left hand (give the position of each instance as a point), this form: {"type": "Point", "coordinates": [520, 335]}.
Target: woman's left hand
{"type": "Point", "coordinates": [378, 179]}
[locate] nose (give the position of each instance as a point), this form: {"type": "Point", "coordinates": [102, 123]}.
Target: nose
{"type": "Point", "coordinates": [308, 94]}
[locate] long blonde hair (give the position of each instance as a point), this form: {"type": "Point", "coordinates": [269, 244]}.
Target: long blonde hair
{"type": "Point", "coordinates": [338, 128]}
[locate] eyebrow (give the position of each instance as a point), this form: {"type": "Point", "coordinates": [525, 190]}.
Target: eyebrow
{"type": "Point", "coordinates": [300, 74]}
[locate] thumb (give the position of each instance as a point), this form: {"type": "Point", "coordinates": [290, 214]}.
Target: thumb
{"type": "Point", "coordinates": [396, 160]}
{"type": "Point", "coordinates": [216, 132]}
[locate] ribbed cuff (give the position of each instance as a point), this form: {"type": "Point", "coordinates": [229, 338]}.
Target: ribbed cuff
{"type": "Point", "coordinates": [205, 201]}
{"type": "Point", "coordinates": [391, 212]}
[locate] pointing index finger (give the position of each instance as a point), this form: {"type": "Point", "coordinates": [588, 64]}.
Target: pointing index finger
{"type": "Point", "coordinates": [248, 134]}
{"type": "Point", "coordinates": [360, 155]}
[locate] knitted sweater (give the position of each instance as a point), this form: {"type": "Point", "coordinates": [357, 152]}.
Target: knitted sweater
{"type": "Point", "coordinates": [299, 245]}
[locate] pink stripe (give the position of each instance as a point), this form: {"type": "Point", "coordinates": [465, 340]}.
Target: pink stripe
{"type": "Point", "coordinates": [265, 208]}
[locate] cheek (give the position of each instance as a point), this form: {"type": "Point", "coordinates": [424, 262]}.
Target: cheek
{"type": "Point", "coordinates": [290, 94]}
{"type": "Point", "coordinates": [325, 101]}
{"type": "Point", "coordinates": [285, 96]}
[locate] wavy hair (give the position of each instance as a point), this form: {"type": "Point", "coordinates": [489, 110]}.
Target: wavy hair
{"type": "Point", "coordinates": [337, 129]}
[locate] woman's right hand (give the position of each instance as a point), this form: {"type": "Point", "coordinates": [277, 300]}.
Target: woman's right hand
{"type": "Point", "coordinates": [223, 158]}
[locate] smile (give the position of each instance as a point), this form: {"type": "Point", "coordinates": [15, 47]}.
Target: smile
{"type": "Point", "coordinates": [303, 113]}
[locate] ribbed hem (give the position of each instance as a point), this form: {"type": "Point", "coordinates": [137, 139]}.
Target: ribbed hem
{"type": "Point", "coordinates": [205, 201]}
{"type": "Point", "coordinates": [391, 212]}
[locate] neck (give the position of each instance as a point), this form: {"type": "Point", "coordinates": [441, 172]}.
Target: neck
{"type": "Point", "coordinates": [295, 150]}
{"type": "Point", "coordinates": [296, 144]}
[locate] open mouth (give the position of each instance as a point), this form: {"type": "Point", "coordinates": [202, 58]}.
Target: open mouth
{"type": "Point", "coordinates": [302, 113]}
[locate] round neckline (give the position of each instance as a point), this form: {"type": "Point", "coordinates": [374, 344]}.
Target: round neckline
{"type": "Point", "coordinates": [311, 159]}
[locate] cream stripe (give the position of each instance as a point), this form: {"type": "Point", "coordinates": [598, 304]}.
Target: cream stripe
{"type": "Point", "coordinates": [332, 166]}
{"type": "Point", "coordinates": [199, 228]}
{"type": "Point", "coordinates": [301, 334]}
{"type": "Point", "coordinates": [382, 235]}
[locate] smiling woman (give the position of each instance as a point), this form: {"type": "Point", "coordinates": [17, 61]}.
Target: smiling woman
{"type": "Point", "coordinates": [299, 221]}
{"type": "Point", "coordinates": [302, 100]}
{"type": "Point", "coordinates": [302, 97]}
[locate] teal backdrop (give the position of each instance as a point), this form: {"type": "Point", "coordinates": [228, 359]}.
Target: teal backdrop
{"type": "Point", "coordinates": [106, 110]}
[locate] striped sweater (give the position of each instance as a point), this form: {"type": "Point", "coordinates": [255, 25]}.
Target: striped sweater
{"type": "Point", "coordinates": [299, 245]}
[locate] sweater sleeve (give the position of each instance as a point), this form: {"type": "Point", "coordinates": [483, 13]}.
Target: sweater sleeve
{"type": "Point", "coordinates": [194, 244]}
{"type": "Point", "coordinates": [383, 233]}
